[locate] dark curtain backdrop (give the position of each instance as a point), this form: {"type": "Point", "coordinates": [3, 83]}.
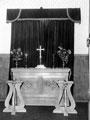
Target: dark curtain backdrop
{"type": "Point", "coordinates": [28, 35]}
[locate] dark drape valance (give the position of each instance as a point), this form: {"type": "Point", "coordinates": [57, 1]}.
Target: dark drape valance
{"type": "Point", "coordinates": [72, 14]}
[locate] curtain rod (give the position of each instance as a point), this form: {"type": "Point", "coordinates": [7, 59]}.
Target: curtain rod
{"type": "Point", "coordinates": [42, 19]}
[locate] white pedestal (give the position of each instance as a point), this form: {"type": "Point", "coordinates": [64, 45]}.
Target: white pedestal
{"type": "Point", "coordinates": [66, 109]}
{"type": "Point", "coordinates": [14, 89]}
{"type": "Point", "coordinates": [40, 66]}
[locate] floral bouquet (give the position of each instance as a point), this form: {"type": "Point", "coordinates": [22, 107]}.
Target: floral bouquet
{"type": "Point", "coordinates": [64, 55]}
{"type": "Point", "coordinates": [16, 55]}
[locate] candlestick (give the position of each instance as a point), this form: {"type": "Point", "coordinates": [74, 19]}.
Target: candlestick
{"type": "Point", "coordinates": [26, 55]}
{"type": "Point", "coordinates": [53, 60]}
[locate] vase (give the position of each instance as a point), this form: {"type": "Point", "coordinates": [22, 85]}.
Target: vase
{"type": "Point", "coordinates": [16, 63]}
{"type": "Point", "coordinates": [63, 64]}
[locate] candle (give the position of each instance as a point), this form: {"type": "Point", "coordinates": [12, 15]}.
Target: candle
{"type": "Point", "coordinates": [26, 59]}
{"type": "Point", "coordinates": [26, 55]}
{"type": "Point", "coordinates": [53, 60]}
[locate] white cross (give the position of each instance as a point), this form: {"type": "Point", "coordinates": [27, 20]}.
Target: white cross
{"type": "Point", "coordinates": [40, 49]}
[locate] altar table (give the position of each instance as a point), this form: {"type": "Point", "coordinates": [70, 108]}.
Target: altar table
{"type": "Point", "coordinates": [36, 86]}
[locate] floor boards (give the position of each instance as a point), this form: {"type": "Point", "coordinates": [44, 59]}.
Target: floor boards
{"type": "Point", "coordinates": [45, 113]}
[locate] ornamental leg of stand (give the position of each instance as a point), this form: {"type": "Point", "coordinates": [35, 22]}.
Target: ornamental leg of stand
{"type": "Point", "coordinates": [71, 107]}
{"type": "Point", "coordinates": [20, 106]}
{"type": "Point", "coordinates": [58, 103]}
{"type": "Point", "coordinates": [8, 107]}
{"type": "Point", "coordinates": [65, 101]}
{"type": "Point", "coordinates": [13, 101]}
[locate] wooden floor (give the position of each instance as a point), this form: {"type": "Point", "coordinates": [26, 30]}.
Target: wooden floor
{"type": "Point", "coordinates": [45, 113]}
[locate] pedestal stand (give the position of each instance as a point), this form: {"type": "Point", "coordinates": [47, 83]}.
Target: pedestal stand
{"type": "Point", "coordinates": [65, 91]}
{"type": "Point", "coordinates": [14, 90]}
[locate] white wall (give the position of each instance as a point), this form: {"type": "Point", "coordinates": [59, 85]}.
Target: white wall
{"type": "Point", "coordinates": [81, 30]}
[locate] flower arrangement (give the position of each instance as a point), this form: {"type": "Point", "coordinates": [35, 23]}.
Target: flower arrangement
{"type": "Point", "coordinates": [64, 55]}
{"type": "Point", "coordinates": [16, 55]}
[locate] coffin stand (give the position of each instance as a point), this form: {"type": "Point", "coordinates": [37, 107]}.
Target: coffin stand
{"type": "Point", "coordinates": [37, 86]}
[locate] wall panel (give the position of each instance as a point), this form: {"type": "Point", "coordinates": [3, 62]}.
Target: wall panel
{"type": "Point", "coordinates": [81, 77]}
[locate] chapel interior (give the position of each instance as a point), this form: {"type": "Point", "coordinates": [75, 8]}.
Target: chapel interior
{"type": "Point", "coordinates": [45, 73]}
